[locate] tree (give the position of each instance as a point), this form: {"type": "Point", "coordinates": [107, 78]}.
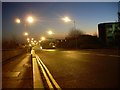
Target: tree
{"type": "Point", "coordinates": [74, 33]}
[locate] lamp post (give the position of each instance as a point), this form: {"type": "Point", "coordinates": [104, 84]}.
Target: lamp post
{"type": "Point", "coordinates": [26, 34]}
{"type": "Point", "coordinates": [17, 20]}
{"type": "Point", "coordinates": [67, 19]}
{"type": "Point", "coordinates": [42, 38]}
{"type": "Point", "coordinates": [50, 32]}
{"type": "Point", "coordinates": [30, 19]}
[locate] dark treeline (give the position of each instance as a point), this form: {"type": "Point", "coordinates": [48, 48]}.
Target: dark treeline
{"type": "Point", "coordinates": [82, 41]}
{"type": "Point", "coordinates": [76, 39]}
{"type": "Point", "coordinates": [11, 44]}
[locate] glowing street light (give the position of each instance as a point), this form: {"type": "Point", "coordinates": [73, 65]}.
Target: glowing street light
{"type": "Point", "coordinates": [42, 38]}
{"type": "Point", "coordinates": [30, 19]}
{"type": "Point", "coordinates": [35, 41]}
{"type": "Point", "coordinates": [26, 34]}
{"type": "Point", "coordinates": [50, 32]}
{"type": "Point", "coordinates": [28, 39]}
{"type": "Point", "coordinates": [17, 20]}
{"type": "Point", "coordinates": [30, 45]}
{"type": "Point", "coordinates": [32, 38]}
{"type": "Point", "coordinates": [66, 19]}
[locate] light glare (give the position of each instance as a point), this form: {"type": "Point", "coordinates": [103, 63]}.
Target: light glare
{"type": "Point", "coordinates": [66, 19]}
{"type": "Point", "coordinates": [30, 19]}
{"type": "Point", "coordinates": [50, 32]}
{"type": "Point", "coordinates": [26, 34]}
{"type": "Point", "coordinates": [43, 38]}
{"type": "Point", "coordinates": [17, 20]}
{"type": "Point", "coordinates": [28, 39]}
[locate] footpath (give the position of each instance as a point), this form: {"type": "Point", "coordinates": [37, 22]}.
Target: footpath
{"type": "Point", "coordinates": [18, 72]}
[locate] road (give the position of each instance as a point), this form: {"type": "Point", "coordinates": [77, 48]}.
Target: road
{"type": "Point", "coordinates": [83, 68]}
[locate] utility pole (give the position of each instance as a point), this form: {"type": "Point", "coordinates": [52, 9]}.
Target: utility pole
{"type": "Point", "coordinates": [119, 11]}
{"type": "Point", "coordinates": [118, 16]}
{"type": "Point", "coordinates": [75, 37]}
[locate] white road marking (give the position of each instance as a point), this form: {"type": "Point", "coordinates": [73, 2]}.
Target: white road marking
{"type": "Point", "coordinates": [102, 54]}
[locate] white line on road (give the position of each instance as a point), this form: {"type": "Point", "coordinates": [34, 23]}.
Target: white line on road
{"type": "Point", "coordinates": [107, 55]}
{"type": "Point", "coordinates": [103, 54]}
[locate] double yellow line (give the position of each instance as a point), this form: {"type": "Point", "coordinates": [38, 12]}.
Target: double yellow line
{"type": "Point", "coordinates": [52, 84]}
{"type": "Point", "coordinates": [49, 78]}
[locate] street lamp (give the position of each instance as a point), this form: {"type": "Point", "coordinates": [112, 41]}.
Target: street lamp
{"type": "Point", "coordinates": [26, 34]}
{"type": "Point", "coordinates": [28, 39]}
{"type": "Point", "coordinates": [67, 19]}
{"type": "Point", "coordinates": [35, 41]}
{"type": "Point", "coordinates": [17, 20]}
{"type": "Point", "coordinates": [32, 38]}
{"type": "Point", "coordinates": [30, 19]}
{"type": "Point", "coordinates": [42, 38]}
{"type": "Point", "coordinates": [50, 32]}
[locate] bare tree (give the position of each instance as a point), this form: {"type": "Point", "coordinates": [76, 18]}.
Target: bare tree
{"type": "Point", "coordinates": [74, 33]}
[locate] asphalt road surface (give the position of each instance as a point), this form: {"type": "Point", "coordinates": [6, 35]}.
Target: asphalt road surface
{"type": "Point", "coordinates": [83, 68]}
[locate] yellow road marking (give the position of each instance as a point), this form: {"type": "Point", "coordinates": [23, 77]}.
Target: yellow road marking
{"type": "Point", "coordinates": [51, 77]}
{"type": "Point", "coordinates": [37, 81]}
{"type": "Point", "coordinates": [45, 75]}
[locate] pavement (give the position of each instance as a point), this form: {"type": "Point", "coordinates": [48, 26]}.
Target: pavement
{"type": "Point", "coordinates": [18, 72]}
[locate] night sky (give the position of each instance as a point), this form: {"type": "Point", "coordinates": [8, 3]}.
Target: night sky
{"type": "Point", "coordinates": [47, 16]}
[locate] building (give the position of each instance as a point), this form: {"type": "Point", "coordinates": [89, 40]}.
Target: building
{"type": "Point", "coordinates": [109, 33]}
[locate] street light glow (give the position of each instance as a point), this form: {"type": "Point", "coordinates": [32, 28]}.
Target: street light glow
{"type": "Point", "coordinates": [50, 32]}
{"type": "Point", "coordinates": [30, 19]}
{"type": "Point", "coordinates": [35, 41]}
{"type": "Point", "coordinates": [43, 38]}
{"type": "Point", "coordinates": [32, 39]}
{"type": "Point", "coordinates": [28, 39]}
{"type": "Point", "coordinates": [66, 19]}
{"type": "Point", "coordinates": [26, 34]}
{"type": "Point", "coordinates": [17, 20]}
{"type": "Point", "coordinates": [30, 45]}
